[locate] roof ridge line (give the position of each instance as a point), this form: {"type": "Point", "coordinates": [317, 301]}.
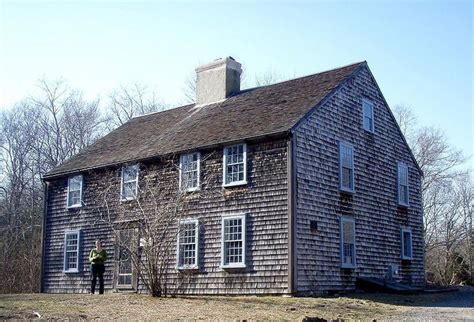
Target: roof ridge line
{"type": "Point", "coordinates": [304, 76]}
{"type": "Point", "coordinates": [164, 110]}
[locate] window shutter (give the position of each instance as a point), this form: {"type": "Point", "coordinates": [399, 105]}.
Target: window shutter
{"type": "Point", "coordinates": [79, 251]}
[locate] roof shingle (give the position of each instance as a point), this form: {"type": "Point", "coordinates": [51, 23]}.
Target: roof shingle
{"type": "Point", "coordinates": [252, 113]}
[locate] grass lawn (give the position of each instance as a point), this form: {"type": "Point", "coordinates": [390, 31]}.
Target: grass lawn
{"type": "Point", "coordinates": [143, 307]}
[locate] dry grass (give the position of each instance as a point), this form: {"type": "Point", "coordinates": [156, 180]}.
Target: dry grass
{"type": "Point", "coordinates": [143, 307]}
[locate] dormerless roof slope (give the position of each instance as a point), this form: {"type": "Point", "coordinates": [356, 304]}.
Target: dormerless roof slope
{"type": "Point", "coordinates": [267, 110]}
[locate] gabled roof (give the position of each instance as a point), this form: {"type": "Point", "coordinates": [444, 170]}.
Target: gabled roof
{"type": "Point", "coordinates": [256, 112]}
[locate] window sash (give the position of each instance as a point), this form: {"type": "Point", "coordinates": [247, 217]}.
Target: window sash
{"type": "Point", "coordinates": [346, 167]}
{"type": "Point", "coordinates": [235, 165]}
{"type": "Point", "coordinates": [348, 242]}
{"type": "Point", "coordinates": [403, 190]}
{"type": "Point", "coordinates": [129, 182]}
{"type": "Point", "coordinates": [368, 115]}
{"type": "Point", "coordinates": [74, 191]}
{"type": "Point", "coordinates": [233, 241]}
{"type": "Point", "coordinates": [189, 177]}
{"type": "Point", "coordinates": [71, 251]}
{"type": "Point", "coordinates": [407, 244]}
{"type": "Point", "coordinates": [188, 244]}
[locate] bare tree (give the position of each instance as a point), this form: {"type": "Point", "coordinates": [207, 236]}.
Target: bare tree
{"type": "Point", "coordinates": [189, 88]}
{"type": "Point", "coordinates": [130, 101]}
{"type": "Point", "coordinates": [268, 77]}
{"type": "Point", "coordinates": [147, 227]}
{"type": "Point", "coordinates": [444, 190]}
{"type": "Point", "coordinates": [67, 122]}
{"type": "Point", "coordinates": [37, 134]}
{"type": "Point", "coordinates": [407, 121]}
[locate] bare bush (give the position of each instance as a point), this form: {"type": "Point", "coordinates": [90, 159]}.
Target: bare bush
{"type": "Point", "coordinates": [153, 218]}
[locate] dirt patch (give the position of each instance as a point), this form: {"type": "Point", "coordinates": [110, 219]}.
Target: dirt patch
{"type": "Point", "coordinates": [144, 307]}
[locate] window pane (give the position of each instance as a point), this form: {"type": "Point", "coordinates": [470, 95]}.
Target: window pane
{"type": "Point", "coordinates": [403, 184]}
{"type": "Point", "coordinates": [348, 255]}
{"type": "Point", "coordinates": [346, 157]}
{"type": "Point", "coordinates": [347, 178]}
{"type": "Point", "coordinates": [368, 123]}
{"type": "Point", "coordinates": [189, 171]}
{"type": "Point", "coordinates": [130, 173]}
{"type": "Point", "coordinates": [235, 164]}
{"type": "Point", "coordinates": [75, 183]}
{"type": "Point", "coordinates": [74, 198]}
{"type": "Point", "coordinates": [348, 242]}
{"type": "Point", "coordinates": [129, 190]}
{"type": "Point", "coordinates": [407, 249]}
{"type": "Point", "coordinates": [187, 245]}
{"type": "Point", "coordinates": [71, 251]}
{"type": "Point", "coordinates": [233, 241]}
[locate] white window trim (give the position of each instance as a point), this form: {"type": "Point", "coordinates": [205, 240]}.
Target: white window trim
{"type": "Point", "coordinates": [198, 187]}
{"type": "Point", "coordinates": [341, 188]}
{"type": "Point", "coordinates": [80, 192]}
{"type": "Point", "coordinates": [371, 103]}
{"type": "Point", "coordinates": [224, 167]}
{"type": "Point", "coordinates": [402, 231]}
{"type": "Point", "coordinates": [400, 201]}
{"type": "Point", "coordinates": [189, 267]}
{"type": "Point", "coordinates": [66, 233]}
{"type": "Point", "coordinates": [341, 241]}
{"type": "Point", "coordinates": [244, 240]}
{"type": "Point", "coordinates": [136, 183]}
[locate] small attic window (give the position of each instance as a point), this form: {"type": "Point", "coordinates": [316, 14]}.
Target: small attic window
{"type": "Point", "coordinates": [402, 183]}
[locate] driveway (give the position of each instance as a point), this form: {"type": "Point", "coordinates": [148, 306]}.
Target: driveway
{"type": "Point", "coordinates": [454, 306]}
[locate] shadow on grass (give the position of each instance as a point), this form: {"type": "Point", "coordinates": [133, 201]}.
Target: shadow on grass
{"type": "Point", "coordinates": [461, 298]}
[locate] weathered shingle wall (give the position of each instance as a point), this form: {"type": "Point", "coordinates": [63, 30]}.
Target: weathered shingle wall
{"type": "Point", "coordinates": [373, 205]}
{"type": "Point", "coordinates": [264, 200]}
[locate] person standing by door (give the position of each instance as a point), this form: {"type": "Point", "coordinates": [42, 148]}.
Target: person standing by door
{"type": "Point", "coordinates": [97, 257]}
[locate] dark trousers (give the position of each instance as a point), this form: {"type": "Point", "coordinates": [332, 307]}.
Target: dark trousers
{"type": "Point", "coordinates": [97, 270]}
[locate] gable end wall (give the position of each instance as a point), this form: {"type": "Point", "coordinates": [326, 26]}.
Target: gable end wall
{"type": "Point", "coordinates": [373, 205]}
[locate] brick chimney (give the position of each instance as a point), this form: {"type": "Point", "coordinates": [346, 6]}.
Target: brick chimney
{"type": "Point", "coordinates": [217, 80]}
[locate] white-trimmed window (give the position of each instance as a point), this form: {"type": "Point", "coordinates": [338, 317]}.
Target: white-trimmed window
{"type": "Point", "coordinates": [188, 244]}
{"type": "Point", "coordinates": [402, 183]}
{"type": "Point", "coordinates": [129, 186]}
{"type": "Point", "coordinates": [233, 241]}
{"type": "Point", "coordinates": [368, 115]}
{"type": "Point", "coordinates": [348, 243]}
{"type": "Point", "coordinates": [189, 171]}
{"type": "Point", "coordinates": [71, 250]}
{"type": "Point", "coordinates": [74, 191]}
{"type": "Point", "coordinates": [235, 165]}
{"type": "Point", "coordinates": [346, 167]}
{"type": "Point", "coordinates": [407, 247]}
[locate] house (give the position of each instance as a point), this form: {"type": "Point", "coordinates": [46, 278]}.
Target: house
{"type": "Point", "coordinates": [312, 174]}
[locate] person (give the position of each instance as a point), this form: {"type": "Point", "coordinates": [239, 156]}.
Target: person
{"type": "Point", "coordinates": [97, 257]}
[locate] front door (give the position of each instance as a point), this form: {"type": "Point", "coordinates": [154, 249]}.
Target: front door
{"type": "Point", "coordinates": [125, 277]}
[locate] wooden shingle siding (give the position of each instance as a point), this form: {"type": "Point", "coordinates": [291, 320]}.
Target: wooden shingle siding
{"type": "Point", "coordinates": [374, 204]}
{"type": "Point", "coordinates": [264, 200]}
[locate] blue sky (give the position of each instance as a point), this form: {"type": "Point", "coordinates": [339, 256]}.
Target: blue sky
{"type": "Point", "coordinates": [421, 53]}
